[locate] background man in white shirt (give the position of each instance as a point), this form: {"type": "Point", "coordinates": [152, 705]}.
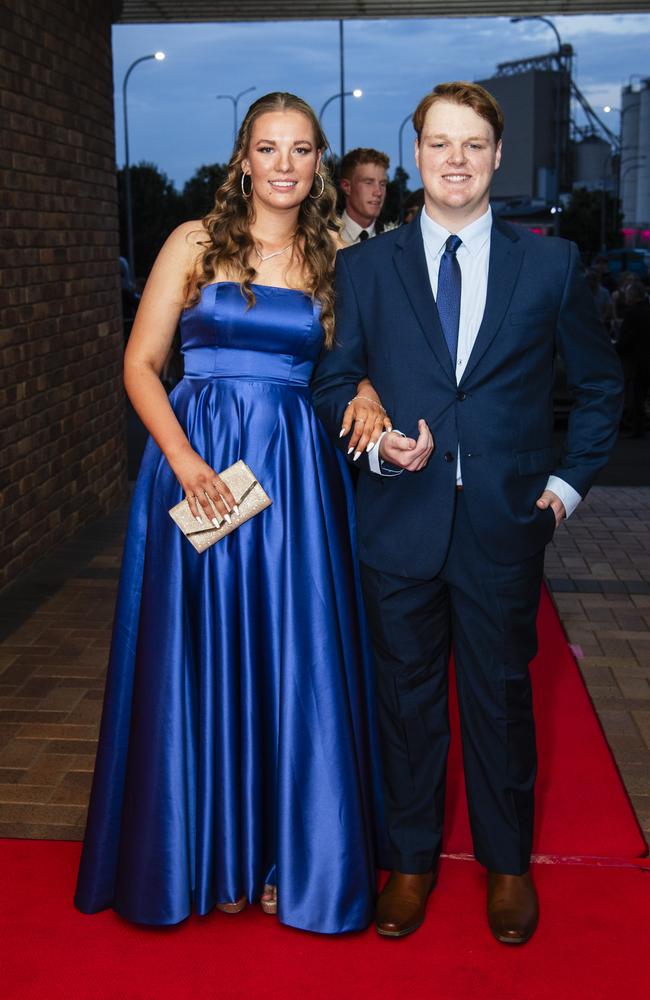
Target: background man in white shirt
{"type": "Point", "coordinates": [456, 319]}
{"type": "Point", "coordinates": [364, 182]}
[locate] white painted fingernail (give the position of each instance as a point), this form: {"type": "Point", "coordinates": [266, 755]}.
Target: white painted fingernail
{"type": "Point", "coordinates": [228, 518]}
{"type": "Point", "coordinates": [198, 519]}
{"type": "Point", "coordinates": [356, 455]}
{"type": "Point", "coordinates": [371, 445]}
{"type": "Point", "coordinates": [350, 450]}
{"type": "Point", "coordinates": [215, 522]}
{"type": "Point", "coordinates": [342, 432]}
{"type": "Point", "coordinates": [236, 510]}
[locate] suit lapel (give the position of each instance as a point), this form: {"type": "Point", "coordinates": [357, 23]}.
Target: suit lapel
{"type": "Point", "coordinates": [506, 255]}
{"type": "Point", "coordinates": [411, 265]}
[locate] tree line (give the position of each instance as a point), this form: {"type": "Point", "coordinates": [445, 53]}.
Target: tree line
{"type": "Point", "coordinates": [158, 207]}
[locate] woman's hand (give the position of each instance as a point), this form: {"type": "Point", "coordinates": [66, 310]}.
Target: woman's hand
{"type": "Point", "coordinates": [203, 488]}
{"type": "Point", "coordinates": [366, 418]}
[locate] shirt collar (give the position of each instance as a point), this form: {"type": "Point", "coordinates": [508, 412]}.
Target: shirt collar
{"type": "Point", "coordinates": [353, 228]}
{"type": "Point", "coordinates": [474, 236]}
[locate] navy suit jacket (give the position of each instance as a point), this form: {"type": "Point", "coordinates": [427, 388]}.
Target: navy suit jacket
{"type": "Point", "coordinates": [501, 413]}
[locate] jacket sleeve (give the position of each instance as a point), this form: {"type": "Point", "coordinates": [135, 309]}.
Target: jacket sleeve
{"type": "Point", "coordinates": [594, 379]}
{"type": "Point", "coordinates": [340, 369]}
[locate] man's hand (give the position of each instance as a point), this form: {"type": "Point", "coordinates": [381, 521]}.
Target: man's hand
{"type": "Point", "coordinates": [404, 452]}
{"type": "Point", "coordinates": [550, 499]}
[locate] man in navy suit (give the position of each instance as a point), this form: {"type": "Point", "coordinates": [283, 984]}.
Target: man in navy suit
{"type": "Point", "coordinates": [456, 319]}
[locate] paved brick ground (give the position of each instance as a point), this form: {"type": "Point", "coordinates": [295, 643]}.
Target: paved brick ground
{"type": "Point", "coordinates": [598, 569]}
{"type": "Point", "coordinates": [55, 627]}
{"type": "Point", "coordinates": [55, 630]}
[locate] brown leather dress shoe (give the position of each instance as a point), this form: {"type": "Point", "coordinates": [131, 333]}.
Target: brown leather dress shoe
{"type": "Point", "coordinates": [512, 907]}
{"type": "Point", "coordinates": [402, 903]}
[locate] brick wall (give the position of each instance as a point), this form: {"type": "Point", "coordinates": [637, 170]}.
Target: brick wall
{"type": "Point", "coordinates": [61, 399]}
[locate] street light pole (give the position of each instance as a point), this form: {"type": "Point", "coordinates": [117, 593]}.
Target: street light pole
{"type": "Point", "coordinates": [603, 203]}
{"type": "Point", "coordinates": [401, 160]}
{"type": "Point", "coordinates": [159, 56]}
{"type": "Point", "coordinates": [558, 107]}
{"type": "Point", "coordinates": [235, 101]}
{"type": "Point", "coordinates": [342, 84]}
{"type": "Point", "coordinates": [342, 95]}
{"type": "Point", "coordinates": [399, 141]}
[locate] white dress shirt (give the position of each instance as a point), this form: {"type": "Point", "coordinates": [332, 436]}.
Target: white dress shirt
{"type": "Point", "coordinates": [351, 229]}
{"type": "Point", "coordinates": [474, 261]}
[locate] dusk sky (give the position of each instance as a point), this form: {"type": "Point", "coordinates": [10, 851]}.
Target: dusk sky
{"type": "Point", "coordinates": [176, 122]}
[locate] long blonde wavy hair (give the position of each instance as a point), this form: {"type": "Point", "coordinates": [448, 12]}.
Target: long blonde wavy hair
{"type": "Point", "coordinates": [228, 226]}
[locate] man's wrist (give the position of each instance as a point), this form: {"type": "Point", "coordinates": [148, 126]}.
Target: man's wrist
{"type": "Point", "coordinates": [383, 434]}
{"type": "Point", "coordinates": [564, 492]}
{"type": "Point", "coordinates": [380, 441]}
{"type": "Point", "coordinates": [378, 463]}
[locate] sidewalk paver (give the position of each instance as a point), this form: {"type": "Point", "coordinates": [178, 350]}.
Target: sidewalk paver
{"type": "Point", "coordinates": [55, 627]}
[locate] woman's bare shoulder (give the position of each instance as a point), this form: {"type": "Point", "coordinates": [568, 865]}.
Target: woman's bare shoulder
{"type": "Point", "coordinates": [192, 234]}
{"type": "Point", "coordinates": [184, 244]}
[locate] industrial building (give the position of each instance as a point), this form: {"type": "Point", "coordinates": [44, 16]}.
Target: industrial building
{"type": "Point", "coordinates": [635, 162]}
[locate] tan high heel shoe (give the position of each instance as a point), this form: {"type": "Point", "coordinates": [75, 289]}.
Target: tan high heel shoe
{"type": "Point", "coordinates": [236, 907]}
{"type": "Point", "coordinates": [270, 903]}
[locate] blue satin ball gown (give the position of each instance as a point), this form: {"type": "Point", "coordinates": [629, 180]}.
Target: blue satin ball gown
{"type": "Point", "coordinates": [237, 744]}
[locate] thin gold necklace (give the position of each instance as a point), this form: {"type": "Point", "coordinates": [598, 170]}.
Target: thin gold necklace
{"type": "Point", "coordinates": [276, 253]}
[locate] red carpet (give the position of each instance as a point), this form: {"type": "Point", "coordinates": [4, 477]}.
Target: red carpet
{"type": "Point", "coordinates": [582, 807]}
{"type": "Point", "coordinates": [591, 945]}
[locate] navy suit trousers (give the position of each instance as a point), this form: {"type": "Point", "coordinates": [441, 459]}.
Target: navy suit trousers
{"type": "Point", "coordinates": [489, 611]}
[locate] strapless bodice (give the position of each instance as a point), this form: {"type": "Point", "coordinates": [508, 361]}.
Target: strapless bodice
{"type": "Point", "coordinates": [278, 339]}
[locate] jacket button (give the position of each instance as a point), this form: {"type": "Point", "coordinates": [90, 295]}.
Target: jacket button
{"type": "Point", "coordinates": [448, 457]}
{"type": "Point", "coordinates": [461, 396]}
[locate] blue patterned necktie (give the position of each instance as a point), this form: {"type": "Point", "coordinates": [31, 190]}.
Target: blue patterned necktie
{"type": "Point", "coordinates": [448, 299]}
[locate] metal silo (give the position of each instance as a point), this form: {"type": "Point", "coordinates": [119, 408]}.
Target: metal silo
{"type": "Point", "coordinates": [643, 172]}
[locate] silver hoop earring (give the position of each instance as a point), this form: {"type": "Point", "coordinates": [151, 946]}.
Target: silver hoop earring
{"type": "Point", "coordinates": [243, 189]}
{"type": "Point", "coordinates": [315, 197]}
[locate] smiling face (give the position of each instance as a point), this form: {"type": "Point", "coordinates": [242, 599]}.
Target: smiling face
{"type": "Point", "coordinates": [282, 159]}
{"type": "Point", "coordinates": [456, 156]}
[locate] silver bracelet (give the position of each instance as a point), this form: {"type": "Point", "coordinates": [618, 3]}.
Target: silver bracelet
{"type": "Point", "coordinates": [368, 399]}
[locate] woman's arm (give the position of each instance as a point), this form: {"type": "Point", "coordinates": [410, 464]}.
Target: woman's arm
{"type": "Point", "coordinates": [151, 337]}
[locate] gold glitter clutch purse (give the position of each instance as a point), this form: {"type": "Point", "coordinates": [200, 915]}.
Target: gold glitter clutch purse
{"type": "Point", "coordinates": [249, 497]}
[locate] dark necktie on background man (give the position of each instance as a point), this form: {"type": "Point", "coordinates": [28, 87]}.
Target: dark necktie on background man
{"type": "Point", "coordinates": [448, 297]}
{"type": "Point", "coordinates": [363, 235]}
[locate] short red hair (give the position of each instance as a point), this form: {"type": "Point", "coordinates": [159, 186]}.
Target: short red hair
{"type": "Point", "coordinates": [470, 95]}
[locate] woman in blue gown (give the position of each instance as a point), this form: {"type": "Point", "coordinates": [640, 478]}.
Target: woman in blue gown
{"type": "Point", "coordinates": [237, 758]}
